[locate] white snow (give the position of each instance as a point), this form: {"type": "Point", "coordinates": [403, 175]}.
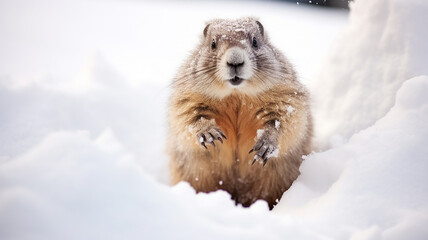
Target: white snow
{"type": "Point", "coordinates": [277, 124]}
{"type": "Point", "coordinates": [375, 182]}
{"type": "Point", "coordinates": [259, 134]}
{"type": "Point", "coordinates": [383, 46]}
{"type": "Point", "coordinates": [275, 153]}
{"type": "Point", "coordinates": [83, 95]}
{"type": "Point", "coordinates": [290, 109]}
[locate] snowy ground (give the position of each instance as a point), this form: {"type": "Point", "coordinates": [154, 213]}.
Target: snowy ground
{"type": "Point", "coordinates": [83, 91]}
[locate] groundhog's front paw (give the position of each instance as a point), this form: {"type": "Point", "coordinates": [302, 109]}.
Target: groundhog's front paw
{"type": "Point", "coordinates": [265, 148]}
{"type": "Point", "coordinates": [209, 136]}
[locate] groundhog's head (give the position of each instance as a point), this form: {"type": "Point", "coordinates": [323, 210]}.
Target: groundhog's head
{"type": "Point", "coordinates": [235, 55]}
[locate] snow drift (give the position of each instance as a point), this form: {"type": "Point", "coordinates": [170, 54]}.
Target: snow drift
{"type": "Point", "coordinates": [79, 156]}
{"type": "Point", "coordinates": [384, 45]}
{"type": "Point", "coordinates": [373, 185]}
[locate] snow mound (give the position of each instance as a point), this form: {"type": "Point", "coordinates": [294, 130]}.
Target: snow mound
{"type": "Point", "coordinates": [384, 44]}
{"type": "Point", "coordinates": [105, 101]}
{"type": "Point", "coordinates": [73, 186]}
{"type": "Point", "coordinates": [374, 184]}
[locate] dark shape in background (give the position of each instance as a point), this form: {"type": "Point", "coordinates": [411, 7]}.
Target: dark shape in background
{"type": "Point", "coordinates": [324, 3]}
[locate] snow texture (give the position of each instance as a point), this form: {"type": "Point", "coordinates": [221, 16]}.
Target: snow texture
{"type": "Point", "coordinates": [275, 153]}
{"type": "Point", "coordinates": [277, 125]}
{"type": "Point", "coordinates": [260, 133]}
{"type": "Point", "coordinates": [383, 46]}
{"type": "Point", "coordinates": [82, 141]}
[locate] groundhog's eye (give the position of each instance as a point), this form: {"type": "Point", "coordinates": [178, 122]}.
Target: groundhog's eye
{"type": "Point", "coordinates": [255, 44]}
{"type": "Point", "coordinates": [213, 45]}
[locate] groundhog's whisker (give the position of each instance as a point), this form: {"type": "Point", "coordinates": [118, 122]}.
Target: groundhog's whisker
{"type": "Point", "coordinates": [199, 71]}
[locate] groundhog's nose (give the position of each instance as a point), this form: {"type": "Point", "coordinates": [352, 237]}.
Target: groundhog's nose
{"type": "Point", "coordinates": [235, 64]}
{"type": "Point", "coordinates": [235, 57]}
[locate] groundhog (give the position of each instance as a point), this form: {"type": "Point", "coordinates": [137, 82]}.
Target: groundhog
{"type": "Point", "coordinates": [236, 101]}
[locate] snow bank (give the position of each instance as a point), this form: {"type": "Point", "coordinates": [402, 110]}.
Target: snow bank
{"type": "Point", "coordinates": [105, 101]}
{"type": "Point", "coordinates": [384, 45]}
{"type": "Point", "coordinates": [74, 186]}
{"type": "Point", "coordinates": [372, 187]}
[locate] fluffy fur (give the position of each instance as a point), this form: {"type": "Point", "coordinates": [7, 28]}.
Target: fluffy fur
{"type": "Point", "coordinates": [213, 124]}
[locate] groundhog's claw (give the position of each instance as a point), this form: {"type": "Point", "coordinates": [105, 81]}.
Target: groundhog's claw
{"type": "Point", "coordinates": [210, 136]}
{"type": "Point", "coordinates": [264, 149]}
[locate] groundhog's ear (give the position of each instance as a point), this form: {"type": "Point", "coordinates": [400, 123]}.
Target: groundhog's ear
{"type": "Point", "coordinates": [260, 27]}
{"type": "Point", "coordinates": [206, 30]}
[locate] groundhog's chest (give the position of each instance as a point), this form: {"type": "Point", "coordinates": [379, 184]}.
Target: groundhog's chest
{"type": "Point", "coordinates": [237, 118]}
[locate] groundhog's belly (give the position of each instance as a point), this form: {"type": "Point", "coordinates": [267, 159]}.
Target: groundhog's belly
{"type": "Point", "coordinates": [230, 162]}
{"type": "Point", "coordinates": [240, 127]}
{"type": "Point", "coordinates": [228, 165]}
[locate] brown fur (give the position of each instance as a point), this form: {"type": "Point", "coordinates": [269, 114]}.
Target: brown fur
{"type": "Point", "coordinates": [198, 101]}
